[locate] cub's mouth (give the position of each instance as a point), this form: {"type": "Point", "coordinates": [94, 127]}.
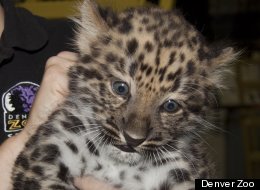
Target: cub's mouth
{"type": "Point", "coordinates": [126, 148]}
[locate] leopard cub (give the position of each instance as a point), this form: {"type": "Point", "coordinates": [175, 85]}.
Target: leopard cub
{"type": "Point", "coordinates": [139, 98]}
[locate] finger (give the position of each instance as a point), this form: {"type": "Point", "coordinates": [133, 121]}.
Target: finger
{"type": "Point", "coordinates": [59, 62]}
{"type": "Point", "coordinates": [68, 55]}
{"type": "Point", "coordinates": [90, 183]}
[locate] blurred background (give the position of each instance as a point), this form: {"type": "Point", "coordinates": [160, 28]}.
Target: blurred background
{"type": "Point", "coordinates": [235, 146]}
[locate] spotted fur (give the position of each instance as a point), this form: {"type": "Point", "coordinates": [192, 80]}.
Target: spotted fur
{"type": "Point", "coordinates": [130, 141]}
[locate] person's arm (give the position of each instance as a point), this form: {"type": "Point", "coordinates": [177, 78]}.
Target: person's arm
{"type": "Point", "coordinates": [52, 92]}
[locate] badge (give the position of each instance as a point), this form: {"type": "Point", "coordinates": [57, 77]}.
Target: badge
{"type": "Point", "coordinates": [17, 102]}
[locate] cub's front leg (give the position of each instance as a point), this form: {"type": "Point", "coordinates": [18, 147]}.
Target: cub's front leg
{"type": "Point", "coordinates": [48, 161]}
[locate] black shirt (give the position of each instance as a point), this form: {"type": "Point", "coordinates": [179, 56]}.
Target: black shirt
{"type": "Point", "coordinates": [25, 45]}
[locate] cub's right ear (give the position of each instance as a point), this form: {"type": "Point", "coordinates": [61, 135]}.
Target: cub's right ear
{"type": "Point", "coordinates": [90, 25]}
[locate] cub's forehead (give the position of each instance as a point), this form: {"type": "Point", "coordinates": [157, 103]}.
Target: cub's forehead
{"type": "Point", "coordinates": [155, 49]}
{"type": "Point", "coordinates": [158, 46]}
{"type": "Point", "coordinates": [163, 28]}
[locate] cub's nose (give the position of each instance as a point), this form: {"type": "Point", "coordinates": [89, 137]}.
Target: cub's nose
{"type": "Point", "coordinates": [134, 142]}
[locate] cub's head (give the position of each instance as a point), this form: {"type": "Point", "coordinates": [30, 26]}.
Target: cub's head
{"type": "Point", "coordinates": [145, 79]}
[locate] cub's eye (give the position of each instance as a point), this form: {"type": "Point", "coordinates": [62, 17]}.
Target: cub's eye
{"type": "Point", "coordinates": [170, 106]}
{"type": "Point", "coordinates": [121, 88]}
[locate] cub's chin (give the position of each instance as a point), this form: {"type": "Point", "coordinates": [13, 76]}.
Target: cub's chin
{"type": "Point", "coordinates": [123, 155]}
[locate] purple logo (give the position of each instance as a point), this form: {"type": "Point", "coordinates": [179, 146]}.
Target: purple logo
{"type": "Point", "coordinates": [17, 102]}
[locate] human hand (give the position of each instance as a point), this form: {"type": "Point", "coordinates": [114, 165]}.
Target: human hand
{"type": "Point", "coordinates": [52, 92]}
{"type": "Point", "coordinates": [90, 183]}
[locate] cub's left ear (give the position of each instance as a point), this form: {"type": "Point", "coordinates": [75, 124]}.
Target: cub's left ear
{"type": "Point", "coordinates": [221, 67]}
{"type": "Point", "coordinates": [224, 57]}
